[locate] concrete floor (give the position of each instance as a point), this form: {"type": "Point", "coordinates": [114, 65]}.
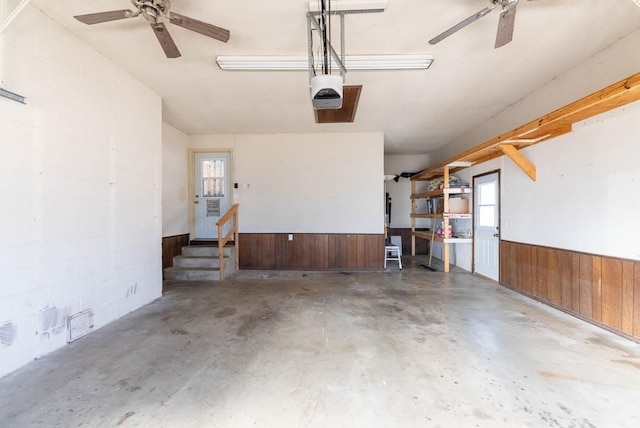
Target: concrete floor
{"type": "Point", "coordinates": [292, 349]}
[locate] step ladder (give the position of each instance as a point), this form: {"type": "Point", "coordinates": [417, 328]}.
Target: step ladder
{"type": "Point", "coordinates": [392, 253]}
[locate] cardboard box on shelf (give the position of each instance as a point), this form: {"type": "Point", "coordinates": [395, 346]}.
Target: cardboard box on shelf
{"type": "Point", "coordinates": [458, 206]}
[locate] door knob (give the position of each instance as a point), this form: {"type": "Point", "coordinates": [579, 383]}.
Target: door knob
{"type": "Point", "coordinates": [495, 235]}
{"type": "Point", "coordinates": [196, 202]}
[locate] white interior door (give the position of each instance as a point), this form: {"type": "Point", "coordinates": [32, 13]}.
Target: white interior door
{"type": "Point", "coordinates": [487, 225]}
{"type": "Point", "coordinates": [213, 192]}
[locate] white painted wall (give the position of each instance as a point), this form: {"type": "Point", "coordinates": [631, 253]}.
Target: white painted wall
{"type": "Point", "coordinates": [80, 190]}
{"type": "Point", "coordinates": [610, 65]}
{"type": "Point", "coordinates": [314, 183]}
{"type": "Point", "coordinates": [305, 183]}
{"type": "Point", "coordinates": [586, 193]}
{"type": "Point", "coordinates": [588, 187]}
{"type": "Point", "coordinates": [400, 192]}
{"type": "Point", "coordinates": [175, 174]}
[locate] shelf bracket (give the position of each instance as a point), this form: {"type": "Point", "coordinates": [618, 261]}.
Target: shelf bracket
{"type": "Point", "coordinates": [519, 159]}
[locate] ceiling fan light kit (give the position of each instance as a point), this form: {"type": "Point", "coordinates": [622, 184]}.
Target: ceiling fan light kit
{"type": "Point", "coordinates": [352, 6]}
{"type": "Point", "coordinates": [153, 11]}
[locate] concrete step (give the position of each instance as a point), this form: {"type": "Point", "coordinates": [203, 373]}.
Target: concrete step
{"type": "Point", "coordinates": [206, 251]}
{"type": "Point", "coordinates": [191, 274]}
{"type": "Point", "coordinates": [199, 261]}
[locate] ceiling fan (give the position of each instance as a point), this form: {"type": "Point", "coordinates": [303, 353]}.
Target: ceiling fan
{"type": "Point", "coordinates": [505, 24]}
{"type": "Point", "coordinates": [152, 11]}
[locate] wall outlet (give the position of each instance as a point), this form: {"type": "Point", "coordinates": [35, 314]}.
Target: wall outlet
{"type": "Point", "coordinates": [291, 237]}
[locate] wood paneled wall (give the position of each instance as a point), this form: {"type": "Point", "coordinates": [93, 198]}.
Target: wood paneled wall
{"type": "Point", "coordinates": [600, 289]}
{"type": "Point", "coordinates": [172, 246]}
{"type": "Point", "coordinates": [422, 245]}
{"type": "Point", "coordinates": [311, 251]}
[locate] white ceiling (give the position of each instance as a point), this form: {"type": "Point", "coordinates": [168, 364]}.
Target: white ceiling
{"type": "Point", "coordinates": [418, 111]}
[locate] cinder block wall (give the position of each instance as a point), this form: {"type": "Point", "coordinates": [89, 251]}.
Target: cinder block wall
{"type": "Point", "coordinates": [80, 189]}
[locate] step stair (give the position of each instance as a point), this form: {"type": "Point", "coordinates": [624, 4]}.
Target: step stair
{"type": "Point", "coordinates": [201, 263]}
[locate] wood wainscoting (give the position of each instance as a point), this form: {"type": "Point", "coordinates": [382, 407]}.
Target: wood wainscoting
{"type": "Point", "coordinates": [599, 289]}
{"type": "Point", "coordinates": [172, 246]}
{"type": "Point", "coordinates": [311, 251]}
{"type": "Point", "coordinates": [422, 245]}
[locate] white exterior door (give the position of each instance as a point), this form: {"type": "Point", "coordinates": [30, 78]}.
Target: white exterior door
{"type": "Point", "coordinates": [212, 192]}
{"type": "Point", "coordinates": [486, 233]}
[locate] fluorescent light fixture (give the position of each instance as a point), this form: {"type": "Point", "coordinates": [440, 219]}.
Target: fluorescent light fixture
{"type": "Point", "coordinates": [352, 62]}
{"type": "Point", "coordinates": [351, 6]}
{"type": "Point", "coordinates": [12, 96]}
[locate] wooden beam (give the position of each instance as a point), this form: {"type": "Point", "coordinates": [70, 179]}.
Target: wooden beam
{"type": "Point", "coordinates": [445, 222]}
{"type": "Point", "coordinates": [490, 156]}
{"type": "Point", "coordinates": [414, 209]}
{"type": "Point", "coordinates": [548, 126]}
{"type": "Point", "coordinates": [545, 134]}
{"type": "Point", "coordinates": [613, 96]}
{"type": "Point", "coordinates": [524, 163]}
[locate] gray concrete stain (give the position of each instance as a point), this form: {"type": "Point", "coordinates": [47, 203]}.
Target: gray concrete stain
{"type": "Point", "coordinates": [226, 312]}
{"type": "Point", "coordinates": [252, 322]}
{"type": "Point", "coordinates": [124, 418]}
{"type": "Point", "coordinates": [631, 363]}
{"type": "Point", "coordinates": [278, 349]}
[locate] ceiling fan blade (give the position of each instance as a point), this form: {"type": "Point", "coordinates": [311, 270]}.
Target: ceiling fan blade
{"type": "Point", "coordinates": [97, 18]}
{"type": "Point", "coordinates": [167, 43]}
{"type": "Point", "coordinates": [200, 27]}
{"type": "Point", "coordinates": [461, 25]}
{"type": "Point", "coordinates": [505, 27]}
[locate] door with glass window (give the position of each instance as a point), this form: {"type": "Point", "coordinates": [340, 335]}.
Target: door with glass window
{"type": "Point", "coordinates": [486, 213]}
{"type": "Point", "coordinates": [212, 192]}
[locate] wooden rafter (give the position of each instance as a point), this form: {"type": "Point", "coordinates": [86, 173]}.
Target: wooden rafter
{"type": "Point", "coordinates": [545, 127]}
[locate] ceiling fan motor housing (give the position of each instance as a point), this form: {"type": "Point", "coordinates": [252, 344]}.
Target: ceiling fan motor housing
{"type": "Point", "coordinates": [506, 4]}
{"type": "Point", "coordinates": [151, 10]}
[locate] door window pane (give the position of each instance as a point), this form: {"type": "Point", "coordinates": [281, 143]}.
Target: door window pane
{"type": "Point", "coordinates": [487, 193]}
{"type": "Point", "coordinates": [213, 178]}
{"type": "Point", "coordinates": [486, 216]}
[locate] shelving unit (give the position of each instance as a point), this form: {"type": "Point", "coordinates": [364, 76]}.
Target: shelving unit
{"type": "Point", "coordinates": [445, 193]}
{"type": "Point", "coordinates": [543, 128]}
